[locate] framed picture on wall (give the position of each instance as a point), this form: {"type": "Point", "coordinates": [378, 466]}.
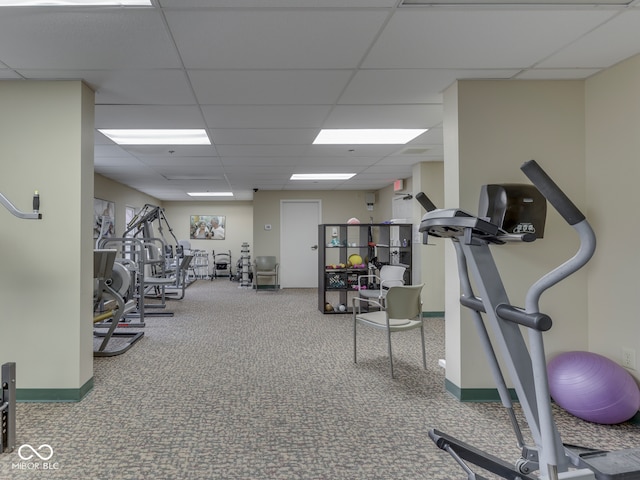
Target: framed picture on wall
{"type": "Point", "coordinates": [104, 218]}
{"type": "Point", "coordinates": [207, 227]}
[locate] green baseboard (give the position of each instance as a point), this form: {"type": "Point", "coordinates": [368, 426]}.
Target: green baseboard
{"type": "Point", "coordinates": [491, 395]}
{"type": "Point", "coordinates": [433, 314]}
{"type": "Point", "coordinates": [50, 395]}
{"type": "Point", "coordinates": [476, 394]}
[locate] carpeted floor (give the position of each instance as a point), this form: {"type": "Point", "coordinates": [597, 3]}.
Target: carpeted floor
{"type": "Point", "coordinates": [260, 385]}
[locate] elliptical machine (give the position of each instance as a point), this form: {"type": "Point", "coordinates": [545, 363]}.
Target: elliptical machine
{"type": "Point", "coordinates": [526, 365]}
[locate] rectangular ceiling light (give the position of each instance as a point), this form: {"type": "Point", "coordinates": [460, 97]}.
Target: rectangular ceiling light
{"type": "Point", "coordinates": [367, 136]}
{"type": "Point", "coordinates": [210, 194]}
{"type": "Point", "coordinates": [157, 137]}
{"type": "Point", "coordinates": [75, 3]}
{"type": "Point", "coordinates": [322, 176]}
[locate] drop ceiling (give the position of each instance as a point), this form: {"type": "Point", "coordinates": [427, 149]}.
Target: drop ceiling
{"type": "Point", "coordinates": [264, 76]}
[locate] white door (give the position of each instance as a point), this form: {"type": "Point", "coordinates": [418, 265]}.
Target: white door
{"type": "Point", "coordinates": [299, 220]}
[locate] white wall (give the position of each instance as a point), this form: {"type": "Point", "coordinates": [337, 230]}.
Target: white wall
{"type": "Point", "coordinates": [613, 173]}
{"type": "Point", "coordinates": [46, 286]}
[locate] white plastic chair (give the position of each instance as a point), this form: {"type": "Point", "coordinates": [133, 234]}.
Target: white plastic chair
{"type": "Point", "coordinates": [390, 276]}
{"type": "Point", "coordinates": [402, 311]}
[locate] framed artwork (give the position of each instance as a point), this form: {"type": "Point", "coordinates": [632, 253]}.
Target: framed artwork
{"type": "Point", "coordinates": [104, 218]}
{"type": "Point", "coordinates": [207, 227]}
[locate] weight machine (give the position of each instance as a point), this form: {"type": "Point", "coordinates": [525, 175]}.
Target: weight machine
{"type": "Point", "coordinates": [141, 225]}
{"type": "Point", "coordinates": [526, 364]}
{"type": "Point", "coordinates": [111, 284]}
{"type": "Point", "coordinates": [8, 370]}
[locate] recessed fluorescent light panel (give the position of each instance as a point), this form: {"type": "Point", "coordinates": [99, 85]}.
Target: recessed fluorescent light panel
{"type": "Point", "coordinates": [210, 194]}
{"type": "Point", "coordinates": [322, 176]}
{"type": "Point", "coordinates": [157, 137]}
{"type": "Point", "coordinates": [75, 3]}
{"type": "Point", "coordinates": [367, 136]}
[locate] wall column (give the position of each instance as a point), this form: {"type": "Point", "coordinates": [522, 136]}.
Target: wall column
{"type": "Point", "coordinates": [490, 129]}
{"type": "Point", "coordinates": [428, 177]}
{"type": "Point", "coordinates": [46, 279]}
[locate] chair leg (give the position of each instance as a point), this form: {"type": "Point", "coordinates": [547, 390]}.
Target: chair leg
{"type": "Point", "coordinates": [424, 352]}
{"type": "Point", "coordinates": [355, 324]}
{"type": "Point", "coordinates": [390, 355]}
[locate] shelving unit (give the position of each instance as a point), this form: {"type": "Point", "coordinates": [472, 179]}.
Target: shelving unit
{"type": "Point", "coordinates": [391, 244]}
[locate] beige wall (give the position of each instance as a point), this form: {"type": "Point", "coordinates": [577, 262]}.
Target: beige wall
{"type": "Point", "coordinates": [500, 125]}
{"type": "Point", "coordinates": [46, 286]}
{"type": "Point", "coordinates": [337, 207]}
{"type": "Point", "coordinates": [122, 196]}
{"type": "Point", "coordinates": [238, 228]}
{"type": "Point", "coordinates": [613, 172]}
{"type": "Point", "coordinates": [239, 217]}
{"type": "Point", "coordinates": [428, 177]}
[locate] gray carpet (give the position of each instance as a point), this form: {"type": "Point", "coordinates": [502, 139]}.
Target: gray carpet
{"type": "Point", "coordinates": [260, 385]}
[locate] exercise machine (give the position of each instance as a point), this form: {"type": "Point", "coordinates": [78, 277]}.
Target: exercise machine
{"type": "Point", "coordinates": [525, 363]}
{"type": "Point", "coordinates": [111, 284]}
{"type": "Point", "coordinates": [141, 225]}
{"type": "Point", "coordinates": [8, 370]}
{"type": "Point", "coordinates": [8, 408]}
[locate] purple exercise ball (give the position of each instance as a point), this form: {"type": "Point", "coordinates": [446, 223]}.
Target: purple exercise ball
{"type": "Point", "coordinates": [593, 388]}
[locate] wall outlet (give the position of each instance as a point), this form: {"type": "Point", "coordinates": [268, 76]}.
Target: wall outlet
{"type": "Point", "coordinates": [629, 358]}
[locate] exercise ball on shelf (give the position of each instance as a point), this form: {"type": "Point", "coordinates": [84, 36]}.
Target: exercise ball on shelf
{"type": "Point", "coordinates": [593, 388]}
{"type": "Point", "coordinates": [355, 259]}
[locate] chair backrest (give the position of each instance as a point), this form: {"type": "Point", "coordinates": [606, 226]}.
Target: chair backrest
{"type": "Point", "coordinates": [392, 275]}
{"type": "Point", "coordinates": [265, 263]}
{"type": "Point", "coordinates": [404, 301]}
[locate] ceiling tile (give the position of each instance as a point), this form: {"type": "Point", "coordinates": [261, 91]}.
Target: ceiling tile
{"type": "Point", "coordinates": [269, 87]}
{"type": "Point", "coordinates": [274, 39]}
{"type": "Point", "coordinates": [272, 162]}
{"type": "Point", "coordinates": [478, 38]}
{"type": "Point", "coordinates": [351, 150]}
{"type": "Point", "coordinates": [260, 151]}
{"type": "Point", "coordinates": [186, 164]}
{"type": "Point", "coordinates": [606, 46]}
{"type": "Point", "coordinates": [264, 136]}
{"type": "Point", "coordinates": [409, 86]}
{"type": "Point", "coordinates": [105, 163]}
{"type": "Point", "coordinates": [278, 3]}
{"type": "Point", "coordinates": [384, 116]}
{"type": "Point", "coordinates": [85, 39]}
{"type": "Point", "coordinates": [7, 74]}
{"type": "Point", "coordinates": [556, 73]}
{"type": "Point", "coordinates": [339, 161]}
{"type": "Point", "coordinates": [171, 151]}
{"type": "Point", "coordinates": [117, 87]}
{"type": "Point", "coordinates": [265, 116]}
{"type": "Point", "coordinates": [148, 116]}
